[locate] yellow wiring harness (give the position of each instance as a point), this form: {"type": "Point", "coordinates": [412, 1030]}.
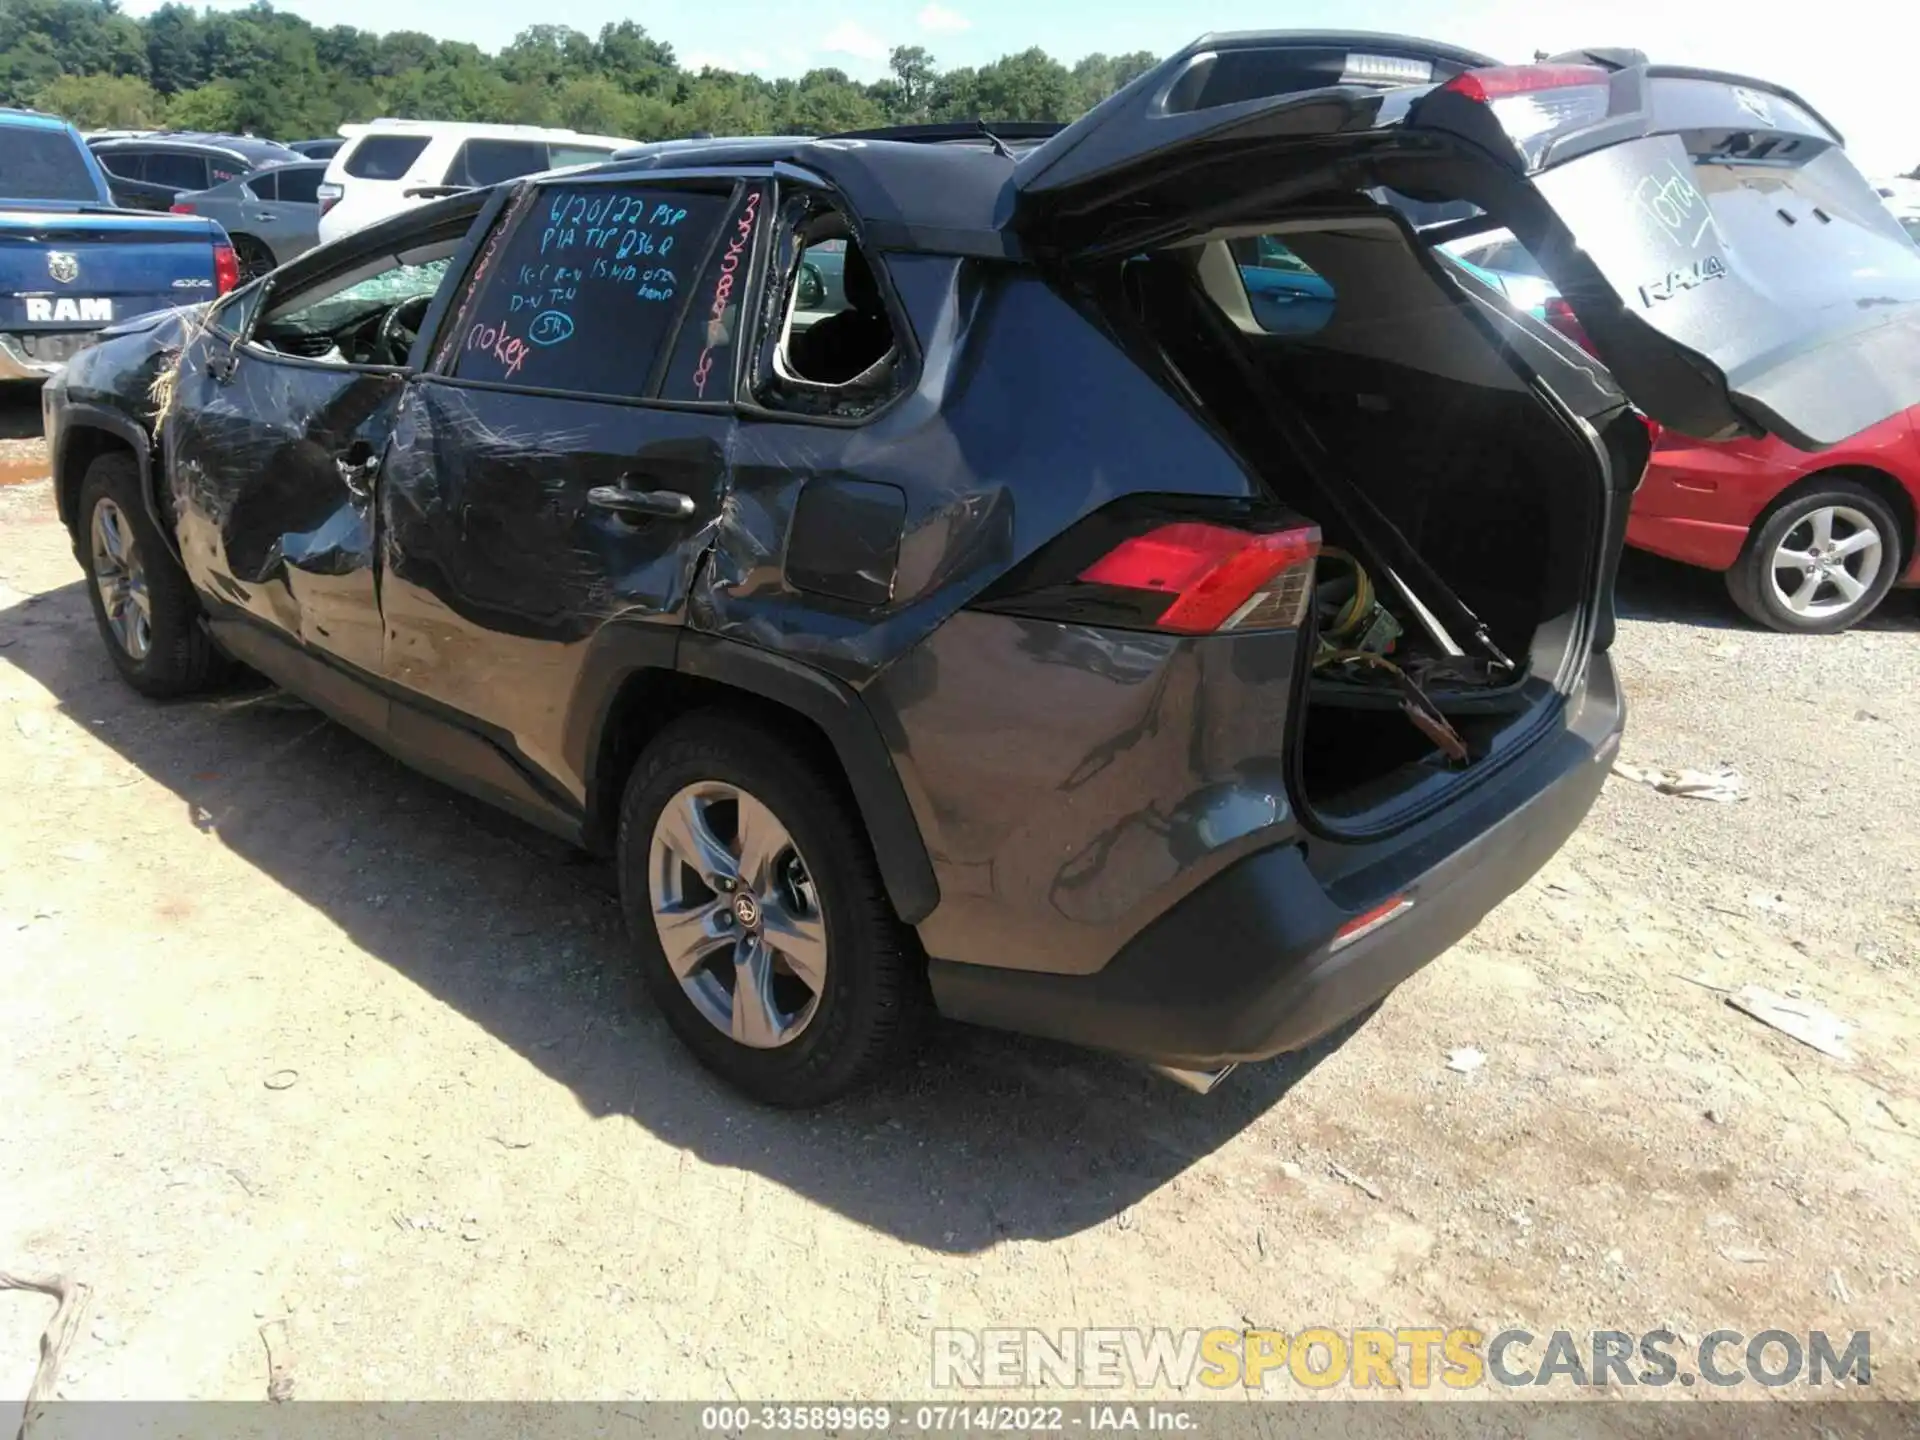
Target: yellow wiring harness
{"type": "Point", "coordinates": [1337, 647]}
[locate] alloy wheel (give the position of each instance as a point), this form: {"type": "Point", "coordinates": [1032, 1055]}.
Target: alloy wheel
{"type": "Point", "coordinates": [121, 579]}
{"type": "Point", "coordinates": [1827, 563]}
{"type": "Point", "coordinates": [738, 914]}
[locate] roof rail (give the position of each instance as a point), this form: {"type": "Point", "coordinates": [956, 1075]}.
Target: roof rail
{"type": "Point", "coordinates": [958, 130]}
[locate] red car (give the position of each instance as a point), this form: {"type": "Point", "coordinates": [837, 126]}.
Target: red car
{"type": "Point", "coordinates": [1809, 542]}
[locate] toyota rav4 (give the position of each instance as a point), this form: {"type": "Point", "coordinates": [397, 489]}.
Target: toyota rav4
{"type": "Point", "coordinates": [1025, 631]}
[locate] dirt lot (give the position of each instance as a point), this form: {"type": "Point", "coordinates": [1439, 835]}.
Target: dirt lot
{"type": "Point", "coordinates": [289, 1032]}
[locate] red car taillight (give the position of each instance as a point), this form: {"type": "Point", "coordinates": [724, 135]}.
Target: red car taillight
{"type": "Point", "coordinates": [1559, 314]}
{"type": "Point", "coordinates": [226, 268]}
{"type": "Point", "coordinates": [1215, 577]}
{"type": "Point", "coordinates": [328, 196]}
{"type": "Point", "coordinates": [178, 209]}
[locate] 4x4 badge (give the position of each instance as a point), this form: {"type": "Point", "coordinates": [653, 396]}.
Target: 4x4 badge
{"type": "Point", "coordinates": [63, 266]}
{"type": "Point", "coordinates": [1712, 267]}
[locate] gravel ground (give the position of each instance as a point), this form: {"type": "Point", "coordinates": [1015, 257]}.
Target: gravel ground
{"type": "Point", "coordinates": [293, 1035]}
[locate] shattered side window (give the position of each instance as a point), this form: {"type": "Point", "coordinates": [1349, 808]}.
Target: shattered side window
{"type": "Point", "coordinates": [704, 355]}
{"type": "Point", "coordinates": [583, 292]}
{"type": "Point", "coordinates": [839, 363]}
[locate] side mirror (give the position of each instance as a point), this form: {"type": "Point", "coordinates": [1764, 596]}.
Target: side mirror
{"type": "Point", "coordinates": [813, 285]}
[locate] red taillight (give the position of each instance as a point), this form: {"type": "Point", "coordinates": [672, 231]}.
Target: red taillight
{"type": "Point", "coordinates": [226, 268]}
{"type": "Point", "coordinates": [178, 209]}
{"type": "Point", "coordinates": [328, 196]}
{"type": "Point", "coordinates": [1498, 82]}
{"type": "Point", "coordinates": [1559, 314]}
{"type": "Point", "coordinates": [1219, 578]}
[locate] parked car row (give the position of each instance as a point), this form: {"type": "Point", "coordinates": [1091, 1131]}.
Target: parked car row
{"type": "Point", "coordinates": [73, 262]}
{"type": "Point", "coordinates": [948, 572]}
{"type": "Point", "coordinates": [277, 201]}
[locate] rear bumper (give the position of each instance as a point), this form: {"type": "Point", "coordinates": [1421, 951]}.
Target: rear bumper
{"type": "Point", "coordinates": [1244, 967]}
{"type": "Point", "coordinates": [17, 364]}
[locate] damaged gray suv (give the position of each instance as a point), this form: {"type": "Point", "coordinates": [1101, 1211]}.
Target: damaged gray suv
{"type": "Point", "coordinates": [1151, 599]}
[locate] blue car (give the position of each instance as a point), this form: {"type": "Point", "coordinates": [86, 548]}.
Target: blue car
{"type": "Point", "coordinates": [72, 263]}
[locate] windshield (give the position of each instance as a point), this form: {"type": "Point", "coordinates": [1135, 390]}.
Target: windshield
{"type": "Point", "coordinates": [38, 164]}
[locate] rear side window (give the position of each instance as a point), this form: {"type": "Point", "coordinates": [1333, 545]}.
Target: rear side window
{"type": "Point", "coordinates": [582, 292]}
{"type": "Point", "coordinates": [560, 156]}
{"type": "Point", "coordinates": [127, 164]}
{"type": "Point", "coordinates": [220, 169]}
{"type": "Point", "coordinates": [488, 162]}
{"type": "Point", "coordinates": [40, 164]}
{"type": "Point", "coordinates": [300, 187]}
{"type": "Point", "coordinates": [703, 361]}
{"type": "Point", "coordinates": [1287, 295]}
{"type": "Point", "coordinates": [182, 172]}
{"type": "Point", "coordinates": [384, 157]}
{"type": "Point", "coordinates": [265, 186]}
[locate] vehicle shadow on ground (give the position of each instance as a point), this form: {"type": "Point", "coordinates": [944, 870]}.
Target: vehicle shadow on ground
{"type": "Point", "coordinates": [1665, 592]}
{"type": "Point", "coordinates": [988, 1138]}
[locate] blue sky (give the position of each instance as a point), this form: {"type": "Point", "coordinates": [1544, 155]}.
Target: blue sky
{"type": "Point", "coordinates": [1851, 59]}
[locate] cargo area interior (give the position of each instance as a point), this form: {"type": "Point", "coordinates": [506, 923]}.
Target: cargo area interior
{"type": "Point", "coordinates": [1370, 358]}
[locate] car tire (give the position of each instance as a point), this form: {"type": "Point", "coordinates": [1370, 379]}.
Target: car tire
{"type": "Point", "coordinates": [148, 615]}
{"type": "Point", "coordinates": [1805, 570]}
{"type": "Point", "coordinates": [254, 258]}
{"type": "Point", "coordinates": [839, 983]}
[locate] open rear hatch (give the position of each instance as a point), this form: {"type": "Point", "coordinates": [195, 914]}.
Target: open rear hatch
{"type": "Point", "coordinates": [1729, 265]}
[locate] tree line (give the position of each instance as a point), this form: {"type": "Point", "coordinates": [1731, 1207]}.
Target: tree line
{"type": "Point", "coordinates": [270, 73]}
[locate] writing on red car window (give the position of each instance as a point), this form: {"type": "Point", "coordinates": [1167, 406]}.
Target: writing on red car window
{"type": "Point", "coordinates": [583, 290]}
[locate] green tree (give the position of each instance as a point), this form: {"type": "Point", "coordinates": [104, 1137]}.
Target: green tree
{"type": "Point", "coordinates": [634, 59]}
{"type": "Point", "coordinates": [274, 73]}
{"type": "Point", "coordinates": [1097, 76]}
{"type": "Point", "coordinates": [595, 104]}
{"type": "Point", "coordinates": [449, 92]}
{"type": "Point", "coordinates": [214, 106]}
{"type": "Point", "coordinates": [1029, 86]}
{"type": "Point", "coordinates": [913, 80]}
{"type": "Point", "coordinates": [104, 102]}
{"type": "Point", "coordinates": [176, 49]}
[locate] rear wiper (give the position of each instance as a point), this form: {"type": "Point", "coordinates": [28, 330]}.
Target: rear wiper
{"type": "Point", "coordinates": [1000, 147]}
{"type": "Point", "coordinates": [1349, 503]}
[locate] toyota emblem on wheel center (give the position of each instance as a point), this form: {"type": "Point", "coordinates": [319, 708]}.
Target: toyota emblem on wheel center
{"type": "Point", "coordinates": [63, 266]}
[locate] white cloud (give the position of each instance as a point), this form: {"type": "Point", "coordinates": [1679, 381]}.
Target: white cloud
{"type": "Point", "coordinates": [939, 20]}
{"type": "Point", "coordinates": [850, 37]}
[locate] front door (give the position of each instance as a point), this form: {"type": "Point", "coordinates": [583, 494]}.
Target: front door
{"type": "Point", "coordinates": [540, 487]}
{"type": "Point", "coordinates": [275, 438]}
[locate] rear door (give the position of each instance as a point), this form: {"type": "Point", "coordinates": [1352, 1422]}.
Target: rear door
{"type": "Point", "coordinates": [1732, 267]}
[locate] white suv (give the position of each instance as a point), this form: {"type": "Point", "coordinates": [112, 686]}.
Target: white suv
{"type": "Point", "coordinates": [388, 165]}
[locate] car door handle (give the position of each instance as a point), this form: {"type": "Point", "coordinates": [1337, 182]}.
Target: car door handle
{"type": "Point", "coordinates": [265, 215]}
{"type": "Point", "coordinates": [653, 504]}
